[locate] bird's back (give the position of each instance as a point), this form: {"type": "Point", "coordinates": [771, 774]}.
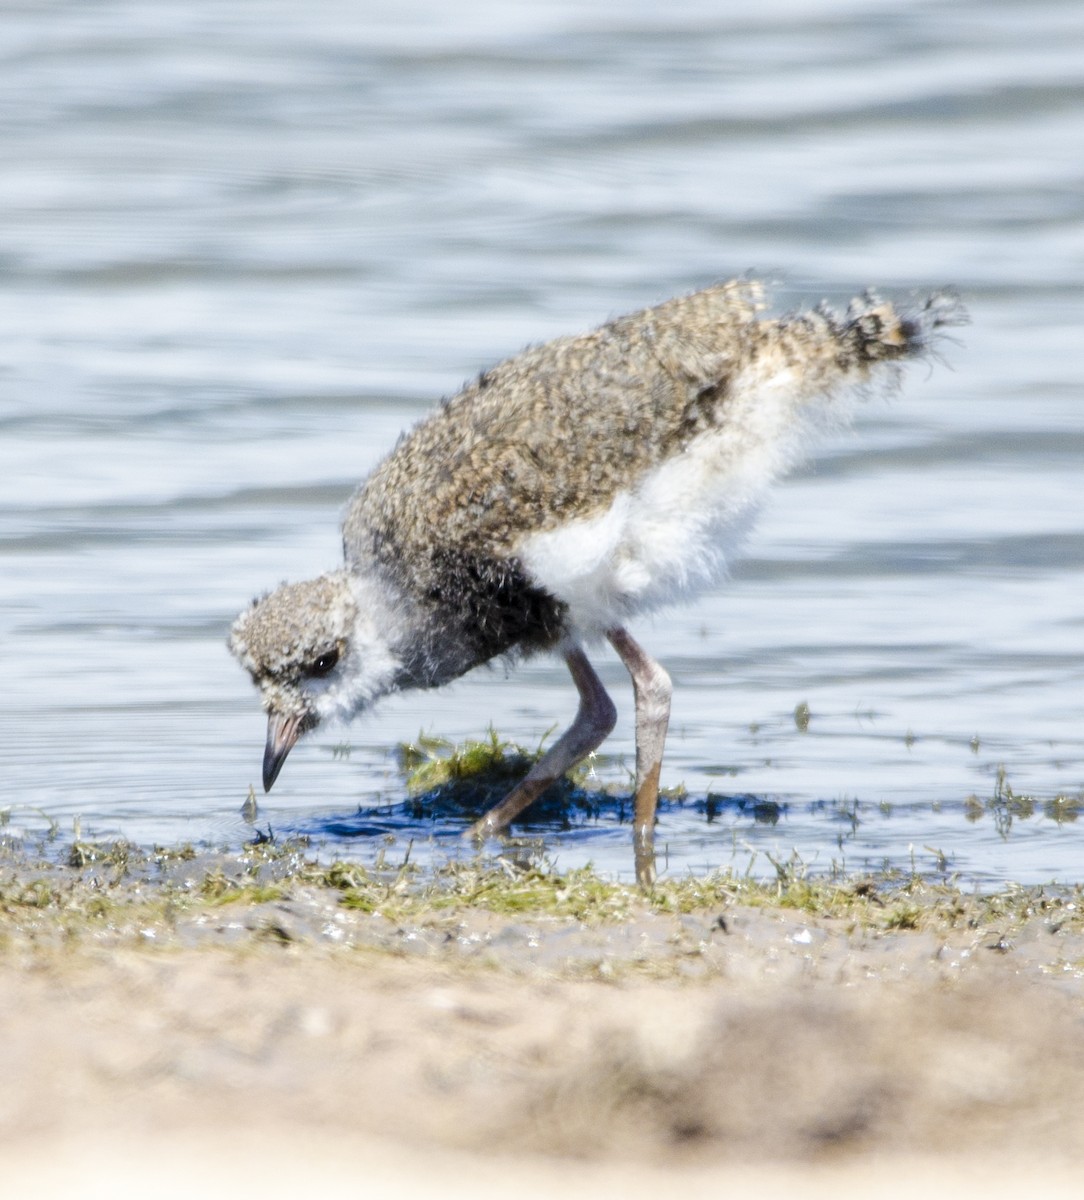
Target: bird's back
{"type": "Point", "coordinates": [557, 434]}
{"type": "Point", "coordinates": [555, 431]}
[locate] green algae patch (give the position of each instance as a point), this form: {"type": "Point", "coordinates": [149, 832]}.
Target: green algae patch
{"type": "Point", "coordinates": [506, 891]}
{"type": "Point", "coordinates": [582, 895]}
{"type": "Point", "coordinates": [431, 763]}
{"type": "Point", "coordinates": [476, 774]}
{"type": "Point", "coordinates": [217, 889]}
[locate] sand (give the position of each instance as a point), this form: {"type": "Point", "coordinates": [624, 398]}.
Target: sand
{"type": "Point", "coordinates": [291, 1046]}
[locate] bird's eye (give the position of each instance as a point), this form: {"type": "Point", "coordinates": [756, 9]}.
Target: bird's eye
{"type": "Point", "coordinates": [325, 663]}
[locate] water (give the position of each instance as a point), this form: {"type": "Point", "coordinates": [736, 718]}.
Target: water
{"type": "Point", "coordinates": [244, 244]}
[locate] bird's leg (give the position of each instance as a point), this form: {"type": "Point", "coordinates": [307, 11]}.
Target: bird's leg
{"type": "Point", "coordinates": [652, 689]}
{"type": "Point", "coordinates": [595, 718]}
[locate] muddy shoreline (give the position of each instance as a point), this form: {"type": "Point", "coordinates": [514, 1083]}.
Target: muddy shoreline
{"type": "Point", "coordinates": [543, 1021]}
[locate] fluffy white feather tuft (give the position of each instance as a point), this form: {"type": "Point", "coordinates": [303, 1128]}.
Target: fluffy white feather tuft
{"type": "Point", "coordinates": [675, 533]}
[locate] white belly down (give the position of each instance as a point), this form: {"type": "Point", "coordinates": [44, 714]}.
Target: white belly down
{"type": "Point", "coordinates": [675, 531]}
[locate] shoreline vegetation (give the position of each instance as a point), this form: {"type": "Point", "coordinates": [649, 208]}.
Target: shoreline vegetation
{"type": "Point", "coordinates": [106, 892]}
{"type": "Point", "coordinates": [438, 1027]}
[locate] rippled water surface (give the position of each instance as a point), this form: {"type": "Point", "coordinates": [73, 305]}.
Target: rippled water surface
{"type": "Point", "coordinates": [244, 244]}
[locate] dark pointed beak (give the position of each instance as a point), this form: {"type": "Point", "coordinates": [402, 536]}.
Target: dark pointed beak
{"type": "Point", "coordinates": [282, 733]}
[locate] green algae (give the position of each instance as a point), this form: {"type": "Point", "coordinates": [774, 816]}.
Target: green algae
{"type": "Point", "coordinates": [429, 763]}
{"type": "Point", "coordinates": [433, 765]}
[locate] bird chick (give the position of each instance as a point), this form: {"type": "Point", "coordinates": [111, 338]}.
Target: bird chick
{"type": "Point", "coordinates": [561, 493]}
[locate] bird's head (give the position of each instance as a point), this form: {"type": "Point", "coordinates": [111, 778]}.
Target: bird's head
{"type": "Point", "coordinates": [314, 655]}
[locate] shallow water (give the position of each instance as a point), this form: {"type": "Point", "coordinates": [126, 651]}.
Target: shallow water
{"type": "Point", "coordinates": [243, 245]}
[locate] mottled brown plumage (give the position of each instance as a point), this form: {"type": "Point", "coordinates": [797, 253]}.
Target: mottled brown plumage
{"type": "Point", "coordinates": [561, 492]}
{"type": "Point", "coordinates": [558, 430]}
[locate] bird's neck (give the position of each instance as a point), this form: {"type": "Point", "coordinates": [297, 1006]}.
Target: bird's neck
{"type": "Point", "coordinates": [399, 641]}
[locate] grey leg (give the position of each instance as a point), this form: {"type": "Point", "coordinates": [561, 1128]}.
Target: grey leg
{"type": "Point", "coordinates": [652, 688]}
{"type": "Point", "coordinates": [595, 718]}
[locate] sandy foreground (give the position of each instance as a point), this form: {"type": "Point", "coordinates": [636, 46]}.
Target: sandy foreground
{"type": "Point", "coordinates": [183, 1043]}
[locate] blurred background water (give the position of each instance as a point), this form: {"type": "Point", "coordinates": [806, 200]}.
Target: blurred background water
{"type": "Point", "coordinates": [245, 242]}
